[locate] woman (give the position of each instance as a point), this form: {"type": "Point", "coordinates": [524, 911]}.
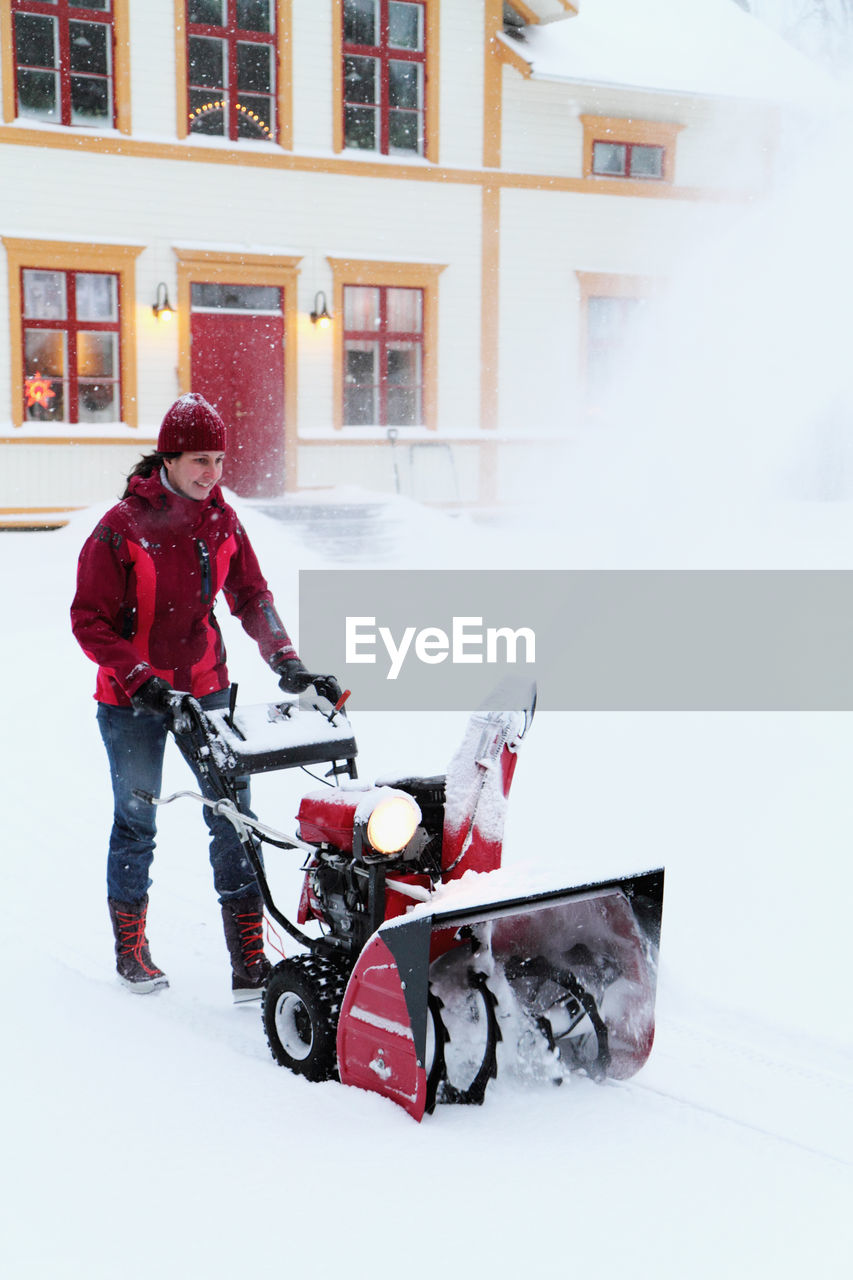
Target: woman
{"type": "Point", "coordinates": [147, 580]}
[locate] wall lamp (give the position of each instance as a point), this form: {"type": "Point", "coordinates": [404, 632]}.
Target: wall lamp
{"type": "Point", "coordinates": [163, 309]}
{"type": "Point", "coordinates": [320, 315]}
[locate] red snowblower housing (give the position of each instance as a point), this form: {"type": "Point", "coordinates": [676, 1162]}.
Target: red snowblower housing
{"type": "Point", "coordinates": [427, 967]}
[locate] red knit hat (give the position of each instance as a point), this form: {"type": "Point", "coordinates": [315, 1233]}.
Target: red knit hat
{"type": "Point", "coordinates": [191, 425]}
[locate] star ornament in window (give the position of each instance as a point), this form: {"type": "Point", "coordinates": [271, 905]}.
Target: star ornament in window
{"type": "Point", "coordinates": [39, 391]}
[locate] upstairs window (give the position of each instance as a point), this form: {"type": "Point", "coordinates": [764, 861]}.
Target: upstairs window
{"type": "Point", "coordinates": [384, 75]}
{"type": "Point", "coordinates": [627, 160]}
{"type": "Point", "coordinates": [71, 355]}
{"type": "Point", "coordinates": [629, 149]}
{"type": "Point", "coordinates": [231, 68]}
{"type": "Point", "coordinates": [64, 54]}
{"type": "Point", "coordinates": [383, 356]}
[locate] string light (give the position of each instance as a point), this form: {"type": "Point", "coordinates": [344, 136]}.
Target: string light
{"type": "Point", "coordinates": [219, 105]}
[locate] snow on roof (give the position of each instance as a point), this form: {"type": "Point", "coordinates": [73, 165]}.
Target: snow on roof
{"type": "Point", "coordinates": [705, 47]}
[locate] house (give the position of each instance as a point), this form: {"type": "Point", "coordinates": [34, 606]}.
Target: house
{"type": "Point", "coordinates": [395, 241]}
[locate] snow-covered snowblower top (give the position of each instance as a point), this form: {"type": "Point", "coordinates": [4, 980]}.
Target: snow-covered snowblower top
{"type": "Point", "coordinates": [268, 736]}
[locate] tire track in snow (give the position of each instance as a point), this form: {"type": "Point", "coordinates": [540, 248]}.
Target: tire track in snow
{"type": "Point", "coordinates": [756, 1085]}
{"type": "Point", "coordinates": [770, 1134]}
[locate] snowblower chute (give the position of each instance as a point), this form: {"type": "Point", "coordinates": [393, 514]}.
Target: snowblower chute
{"type": "Point", "coordinates": [425, 966]}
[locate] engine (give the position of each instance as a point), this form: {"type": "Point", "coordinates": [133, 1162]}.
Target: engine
{"type": "Point", "coordinates": [376, 847]}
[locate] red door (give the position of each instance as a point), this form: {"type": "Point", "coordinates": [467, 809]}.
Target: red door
{"type": "Point", "coordinates": [237, 363]}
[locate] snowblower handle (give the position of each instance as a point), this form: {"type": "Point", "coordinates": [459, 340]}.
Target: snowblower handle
{"type": "Point", "coordinates": [241, 822]}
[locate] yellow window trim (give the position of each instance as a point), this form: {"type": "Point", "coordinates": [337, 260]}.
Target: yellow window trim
{"type": "Point", "coordinates": [61, 255]}
{"type": "Point", "coordinates": [337, 75]}
{"type": "Point", "coordinates": [431, 88]}
{"type": "Point", "coordinates": [8, 62]}
{"type": "Point", "coordinates": [181, 86]}
{"type": "Point", "coordinates": [404, 275]}
{"type": "Point", "coordinates": [284, 71]}
{"type": "Point", "coordinates": [284, 83]}
{"type": "Point", "coordinates": [654, 133]}
{"type": "Point", "coordinates": [121, 68]}
{"type": "Point", "coordinates": [207, 266]}
{"type": "Point", "coordinates": [614, 284]}
{"type": "Point", "coordinates": [121, 65]}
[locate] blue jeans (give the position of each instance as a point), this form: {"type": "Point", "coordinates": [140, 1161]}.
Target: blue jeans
{"type": "Point", "coordinates": [135, 743]}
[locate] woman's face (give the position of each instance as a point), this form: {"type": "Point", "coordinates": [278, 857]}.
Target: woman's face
{"type": "Point", "coordinates": [194, 474]}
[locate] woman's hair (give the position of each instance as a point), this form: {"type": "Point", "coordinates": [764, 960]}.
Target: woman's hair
{"type": "Point", "coordinates": [146, 466]}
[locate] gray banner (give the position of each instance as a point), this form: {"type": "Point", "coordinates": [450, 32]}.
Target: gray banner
{"type": "Point", "coordinates": [591, 640]}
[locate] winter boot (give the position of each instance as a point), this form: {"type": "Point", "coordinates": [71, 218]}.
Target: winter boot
{"type": "Point", "coordinates": [136, 970]}
{"type": "Point", "coordinates": [243, 920]}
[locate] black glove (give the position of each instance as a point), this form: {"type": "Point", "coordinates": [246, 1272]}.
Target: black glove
{"type": "Point", "coordinates": [294, 677]}
{"type": "Point", "coordinates": [328, 687]}
{"type": "Point", "coordinates": [155, 695]}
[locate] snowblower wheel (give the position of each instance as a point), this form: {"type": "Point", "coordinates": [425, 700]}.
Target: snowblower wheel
{"type": "Point", "coordinates": [301, 1004]}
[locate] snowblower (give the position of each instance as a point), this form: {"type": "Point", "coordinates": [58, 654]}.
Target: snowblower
{"type": "Point", "coordinates": [425, 968]}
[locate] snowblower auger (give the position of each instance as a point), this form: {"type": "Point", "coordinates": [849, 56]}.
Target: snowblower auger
{"type": "Point", "coordinates": [559, 981]}
{"type": "Point", "coordinates": [429, 970]}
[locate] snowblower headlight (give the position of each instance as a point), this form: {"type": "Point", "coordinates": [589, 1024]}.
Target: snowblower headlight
{"type": "Point", "coordinates": [392, 823]}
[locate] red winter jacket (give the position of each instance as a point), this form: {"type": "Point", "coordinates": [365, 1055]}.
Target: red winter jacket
{"type": "Point", "coordinates": [147, 580]}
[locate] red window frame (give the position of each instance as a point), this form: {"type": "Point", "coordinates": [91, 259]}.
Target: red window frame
{"type": "Point", "coordinates": [384, 337]}
{"type": "Point", "coordinates": [630, 147]}
{"type": "Point", "coordinates": [71, 326]}
{"type": "Point", "coordinates": [65, 12]}
{"type": "Point", "coordinates": [385, 53]}
{"type": "Point", "coordinates": [232, 35]}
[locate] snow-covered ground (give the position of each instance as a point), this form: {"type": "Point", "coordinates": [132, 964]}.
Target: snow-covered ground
{"type": "Point", "coordinates": [155, 1136]}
